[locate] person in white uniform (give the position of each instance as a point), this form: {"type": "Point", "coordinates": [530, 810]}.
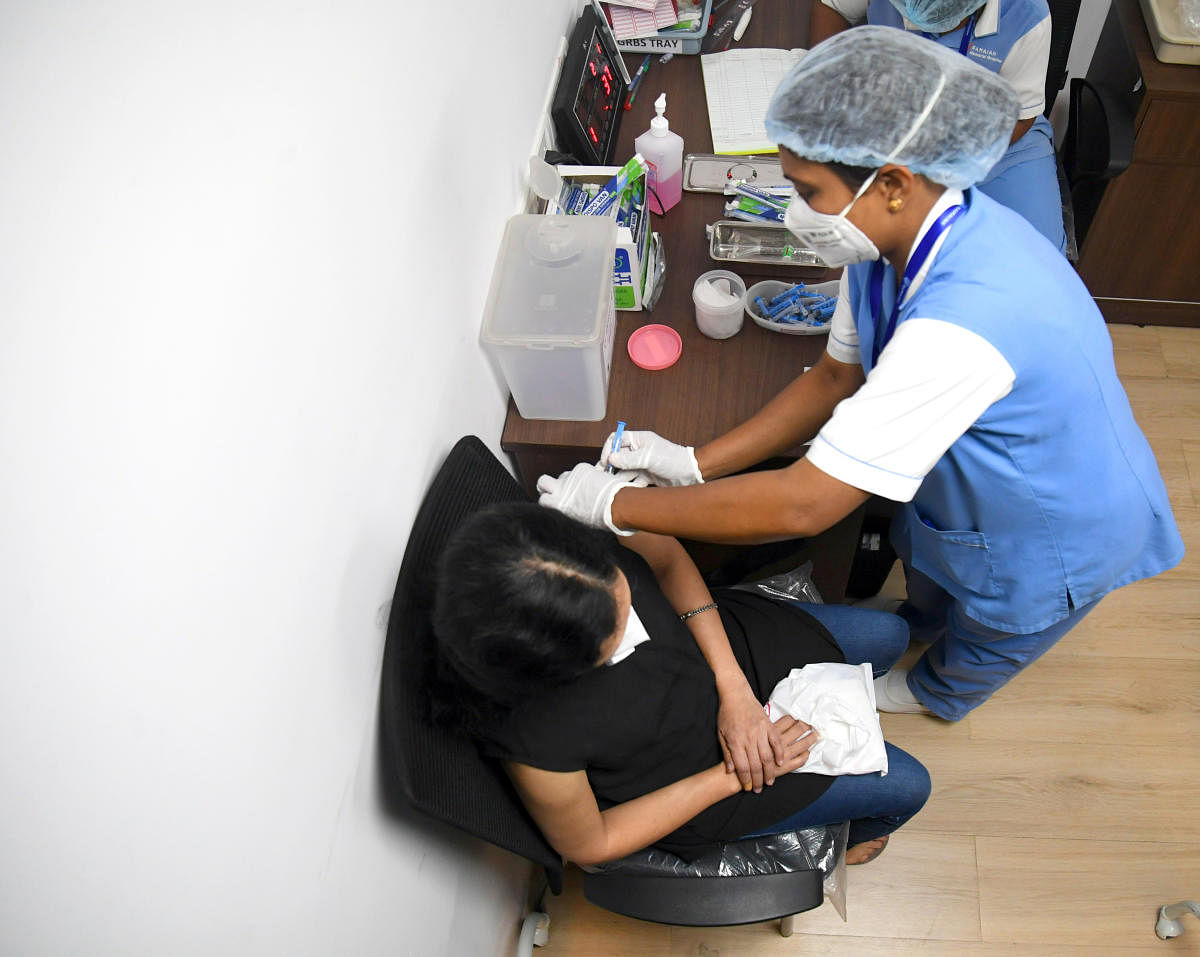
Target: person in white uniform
{"type": "Point", "coordinates": [967, 375]}
{"type": "Point", "coordinates": [1012, 39]}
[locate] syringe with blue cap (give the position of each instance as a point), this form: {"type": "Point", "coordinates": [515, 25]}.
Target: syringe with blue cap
{"type": "Point", "coordinates": [808, 313]}
{"type": "Point", "coordinates": [616, 442]}
{"type": "Point", "coordinates": [797, 304]}
{"type": "Point", "coordinates": [752, 204]}
{"type": "Point", "coordinates": [785, 300]}
{"type": "Point", "coordinates": [739, 187]}
{"type": "Point", "coordinates": [752, 211]}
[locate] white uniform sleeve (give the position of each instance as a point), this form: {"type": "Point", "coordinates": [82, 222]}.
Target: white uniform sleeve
{"type": "Point", "coordinates": [1025, 68]}
{"type": "Point", "coordinates": [843, 333]}
{"type": "Point", "coordinates": [855, 11]}
{"type": "Point", "coordinates": [933, 380]}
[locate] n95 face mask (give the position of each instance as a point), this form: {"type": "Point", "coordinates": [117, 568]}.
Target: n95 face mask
{"type": "Point", "coordinates": [635, 634]}
{"type": "Point", "coordinates": [834, 238]}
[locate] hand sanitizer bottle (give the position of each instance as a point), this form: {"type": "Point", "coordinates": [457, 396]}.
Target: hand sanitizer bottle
{"type": "Point", "coordinates": [663, 150]}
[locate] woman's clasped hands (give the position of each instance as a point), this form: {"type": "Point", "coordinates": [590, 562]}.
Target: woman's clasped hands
{"type": "Point", "coordinates": [756, 749]}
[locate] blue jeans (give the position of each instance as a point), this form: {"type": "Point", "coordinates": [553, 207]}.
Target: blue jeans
{"type": "Point", "coordinates": [966, 662]}
{"type": "Point", "coordinates": [874, 804]}
{"type": "Point", "coordinates": [863, 634]}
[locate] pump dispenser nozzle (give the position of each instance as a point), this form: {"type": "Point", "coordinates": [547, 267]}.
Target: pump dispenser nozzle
{"type": "Point", "coordinates": [659, 125]}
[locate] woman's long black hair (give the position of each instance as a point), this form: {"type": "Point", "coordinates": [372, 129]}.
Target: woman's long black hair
{"type": "Point", "coordinates": [852, 176]}
{"type": "Point", "coordinates": [524, 602]}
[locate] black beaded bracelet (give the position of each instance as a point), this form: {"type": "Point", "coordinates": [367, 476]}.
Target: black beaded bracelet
{"type": "Point", "coordinates": [695, 611]}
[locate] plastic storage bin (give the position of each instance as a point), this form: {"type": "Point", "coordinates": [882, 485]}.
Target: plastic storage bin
{"type": "Point", "coordinates": [549, 320]}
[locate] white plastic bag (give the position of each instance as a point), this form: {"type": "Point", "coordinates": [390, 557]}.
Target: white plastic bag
{"type": "Point", "coordinates": [838, 700]}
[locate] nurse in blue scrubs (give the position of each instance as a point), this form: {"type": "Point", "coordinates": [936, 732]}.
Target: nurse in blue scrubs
{"type": "Point", "coordinates": [1008, 37]}
{"type": "Point", "coordinates": [967, 375]}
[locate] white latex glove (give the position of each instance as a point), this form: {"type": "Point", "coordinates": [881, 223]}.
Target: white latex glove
{"type": "Point", "coordinates": [586, 493]}
{"type": "Point", "coordinates": [661, 461]}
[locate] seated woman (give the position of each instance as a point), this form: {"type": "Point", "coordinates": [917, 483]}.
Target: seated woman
{"type": "Point", "coordinates": [625, 703]}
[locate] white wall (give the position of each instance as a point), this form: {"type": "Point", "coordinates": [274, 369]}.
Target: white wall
{"type": "Point", "coordinates": [1092, 14]}
{"type": "Point", "coordinates": [244, 248]}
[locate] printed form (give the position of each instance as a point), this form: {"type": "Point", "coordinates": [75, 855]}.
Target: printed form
{"type": "Point", "coordinates": [738, 85]}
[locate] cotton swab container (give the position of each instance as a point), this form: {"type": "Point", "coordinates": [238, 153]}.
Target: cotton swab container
{"type": "Point", "coordinates": [720, 298]}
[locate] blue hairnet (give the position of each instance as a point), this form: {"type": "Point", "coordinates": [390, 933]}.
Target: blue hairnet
{"type": "Point", "coordinates": [855, 98]}
{"type": "Point", "coordinates": [936, 16]}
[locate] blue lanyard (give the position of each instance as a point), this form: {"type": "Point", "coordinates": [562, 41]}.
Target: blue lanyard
{"type": "Point", "coordinates": [968, 36]}
{"type": "Point", "coordinates": [942, 224]}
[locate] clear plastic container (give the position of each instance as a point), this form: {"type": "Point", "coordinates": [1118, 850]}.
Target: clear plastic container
{"type": "Point", "coordinates": [719, 320]}
{"type": "Point", "coordinates": [549, 320]}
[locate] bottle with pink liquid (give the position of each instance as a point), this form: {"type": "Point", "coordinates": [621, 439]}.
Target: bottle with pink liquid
{"type": "Point", "coordinates": [663, 150]}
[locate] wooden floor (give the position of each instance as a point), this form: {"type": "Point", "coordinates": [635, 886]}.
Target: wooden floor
{"type": "Point", "coordinates": [1064, 811]}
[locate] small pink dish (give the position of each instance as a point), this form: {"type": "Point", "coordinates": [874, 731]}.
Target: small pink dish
{"type": "Point", "coordinates": [655, 347]}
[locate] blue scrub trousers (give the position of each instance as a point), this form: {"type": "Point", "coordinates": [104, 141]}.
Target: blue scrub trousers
{"type": "Point", "coordinates": [966, 662]}
{"type": "Point", "coordinates": [1025, 179]}
{"type": "Point", "coordinates": [874, 804]}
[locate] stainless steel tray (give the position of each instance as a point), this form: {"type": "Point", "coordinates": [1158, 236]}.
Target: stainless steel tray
{"type": "Point", "coordinates": [708, 172]}
{"type": "Point", "coordinates": [733, 241]}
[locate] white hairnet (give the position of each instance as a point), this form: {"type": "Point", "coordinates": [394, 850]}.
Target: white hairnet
{"type": "Point", "coordinates": [937, 16]}
{"type": "Point", "coordinates": [857, 98]}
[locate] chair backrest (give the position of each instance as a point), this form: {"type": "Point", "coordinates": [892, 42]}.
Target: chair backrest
{"type": "Point", "coordinates": [1098, 143]}
{"type": "Point", "coordinates": [429, 768]}
{"type": "Point", "coordinates": [1098, 146]}
{"type": "Point", "coordinates": [1063, 16]}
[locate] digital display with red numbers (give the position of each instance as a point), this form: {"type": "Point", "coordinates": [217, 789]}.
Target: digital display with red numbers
{"type": "Point", "coordinates": [589, 99]}
{"type": "Point", "coordinates": [597, 102]}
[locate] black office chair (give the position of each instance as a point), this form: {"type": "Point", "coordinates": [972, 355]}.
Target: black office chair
{"type": "Point", "coordinates": [1097, 148]}
{"type": "Point", "coordinates": [1098, 143]}
{"type": "Point", "coordinates": [444, 777]}
{"type": "Point", "coordinates": [1064, 14]}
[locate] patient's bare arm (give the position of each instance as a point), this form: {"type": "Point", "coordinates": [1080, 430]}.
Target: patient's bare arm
{"type": "Point", "coordinates": [565, 808]}
{"type": "Point", "coordinates": [750, 744]}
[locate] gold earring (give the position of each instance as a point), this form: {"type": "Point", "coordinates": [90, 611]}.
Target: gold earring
{"type": "Point", "coordinates": [895, 204]}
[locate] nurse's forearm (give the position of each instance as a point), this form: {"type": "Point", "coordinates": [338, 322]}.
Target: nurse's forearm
{"type": "Point", "coordinates": [1021, 129]}
{"type": "Point", "coordinates": [795, 502]}
{"type": "Point", "coordinates": [794, 416]}
{"type": "Point", "coordinates": [823, 23]}
{"type": "Point", "coordinates": [681, 582]}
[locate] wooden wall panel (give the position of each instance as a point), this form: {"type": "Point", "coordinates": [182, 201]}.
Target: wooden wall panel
{"type": "Point", "coordinates": [1145, 240]}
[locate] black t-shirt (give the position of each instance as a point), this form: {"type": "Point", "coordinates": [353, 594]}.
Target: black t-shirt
{"type": "Point", "coordinates": [651, 719]}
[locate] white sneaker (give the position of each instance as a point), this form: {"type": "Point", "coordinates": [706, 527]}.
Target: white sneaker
{"type": "Point", "coordinates": [880, 603]}
{"type": "Point", "coordinates": [893, 697]}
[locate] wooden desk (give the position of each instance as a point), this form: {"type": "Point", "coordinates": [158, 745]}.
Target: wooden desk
{"type": "Point", "coordinates": [715, 384]}
{"type": "Point", "coordinates": [1140, 256]}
